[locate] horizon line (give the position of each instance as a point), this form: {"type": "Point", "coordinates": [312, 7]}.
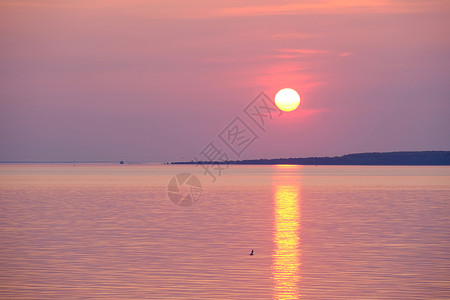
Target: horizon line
{"type": "Point", "coordinates": [172, 162]}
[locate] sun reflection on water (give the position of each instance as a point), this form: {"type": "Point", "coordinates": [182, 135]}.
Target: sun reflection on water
{"type": "Point", "coordinates": [286, 257]}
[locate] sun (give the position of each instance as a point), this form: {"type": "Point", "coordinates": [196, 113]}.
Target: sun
{"type": "Point", "coordinates": [287, 99]}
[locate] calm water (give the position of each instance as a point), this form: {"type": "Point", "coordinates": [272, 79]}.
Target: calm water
{"type": "Point", "coordinates": [110, 231]}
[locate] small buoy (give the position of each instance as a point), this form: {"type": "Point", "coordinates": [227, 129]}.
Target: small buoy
{"type": "Point", "coordinates": [251, 253]}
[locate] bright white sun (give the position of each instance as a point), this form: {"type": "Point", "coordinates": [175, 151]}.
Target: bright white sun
{"type": "Point", "coordinates": [287, 99]}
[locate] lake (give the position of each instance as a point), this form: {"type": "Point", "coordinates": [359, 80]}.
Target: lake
{"type": "Point", "coordinates": [110, 231]}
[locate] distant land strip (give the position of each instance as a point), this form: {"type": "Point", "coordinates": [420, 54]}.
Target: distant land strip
{"type": "Point", "coordinates": [401, 158]}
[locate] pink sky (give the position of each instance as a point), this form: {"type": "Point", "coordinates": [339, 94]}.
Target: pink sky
{"type": "Point", "coordinates": [158, 80]}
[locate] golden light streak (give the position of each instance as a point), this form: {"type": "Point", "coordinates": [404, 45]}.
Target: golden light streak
{"type": "Point", "coordinates": [286, 257]}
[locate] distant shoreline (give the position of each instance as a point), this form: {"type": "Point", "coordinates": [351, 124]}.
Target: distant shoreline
{"type": "Point", "coordinates": [400, 158]}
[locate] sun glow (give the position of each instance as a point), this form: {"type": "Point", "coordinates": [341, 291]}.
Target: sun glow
{"type": "Point", "coordinates": [287, 99]}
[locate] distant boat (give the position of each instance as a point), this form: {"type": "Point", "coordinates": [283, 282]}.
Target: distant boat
{"type": "Point", "coordinates": [121, 162]}
{"type": "Point", "coordinates": [251, 253]}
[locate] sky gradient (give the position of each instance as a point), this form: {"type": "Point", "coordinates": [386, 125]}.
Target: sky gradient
{"type": "Point", "coordinates": [158, 80]}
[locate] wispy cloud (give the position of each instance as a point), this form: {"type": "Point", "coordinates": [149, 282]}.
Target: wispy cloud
{"type": "Point", "coordinates": [202, 9]}
{"type": "Point", "coordinates": [303, 51]}
{"type": "Point", "coordinates": [331, 7]}
{"type": "Point", "coordinates": [289, 36]}
{"type": "Point", "coordinates": [290, 53]}
{"type": "Point", "coordinates": [343, 54]}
